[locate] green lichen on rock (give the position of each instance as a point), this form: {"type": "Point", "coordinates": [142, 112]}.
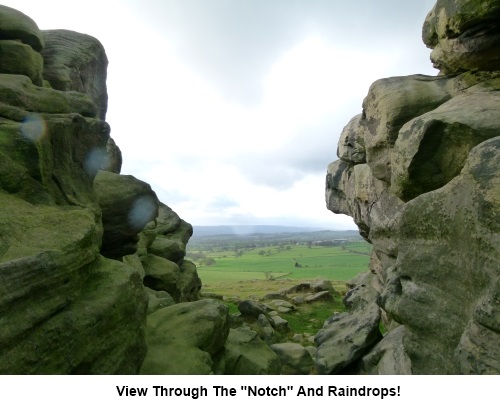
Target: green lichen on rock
{"type": "Point", "coordinates": [16, 25]}
{"type": "Point", "coordinates": [19, 91]}
{"type": "Point", "coordinates": [99, 331]}
{"type": "Point", "coordinates": [184, 338]}
{"type": "Point", "coordinates": [76, 62]}
{"type": "Point", "coordinates": [428, 199]}
{"type": "Point", "coordinates": [464, 35]}
{"type": "Point", "coordinates": [21, 59]}
{"type": "Point", "coordinates": [246, 354]}
{"type": "Point", "coordinates": [431, 149]}
{"type": "Point", "coordinates": [64, 309]}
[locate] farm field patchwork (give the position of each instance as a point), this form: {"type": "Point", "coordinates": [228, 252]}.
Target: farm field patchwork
{"type": "Point", "coordinates": [232, 270]}
{"type": "Point", "coordinates": [239, 272]}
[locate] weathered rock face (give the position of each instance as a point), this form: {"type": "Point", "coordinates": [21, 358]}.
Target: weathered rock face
{"type": "Point", "coordinates": [347, 336]}
{"type": "Point", "coordinates": [78, 62]}
{"type": "Point", "coordinates": [128, 205]}
{"type": "Point", "coordinates": [294, 356]}
{"type": "Point", "coordinates": [184, 338]}
{"type": "Point", "coordinates": [428, 199]}
{"type": "Point", "coordinates": [64, 308]}
{"type": "Point", "coordinates": [464, 35]}
{"type": "Point", "coordinates": [246, 354]}
{"type": "Point", "coordinates": [20, 44]}
{"type": "Point", "coordinates": [74, 239]}
{"type": "Point", "coordinates": [160, 256]}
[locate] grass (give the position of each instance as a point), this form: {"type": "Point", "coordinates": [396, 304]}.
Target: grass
{"type": "Point", "coordinates": [310, 318]}
{"type": "Point", "coordinates": [248, 274]}
{"type": "Point", "coordinates": [255, 288]}
{"type": "Point", "coordinates": [300, 262]}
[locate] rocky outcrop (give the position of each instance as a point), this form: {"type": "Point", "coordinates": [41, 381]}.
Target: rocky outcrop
{"type": "Point", "coordinates": [128, 205]}
{"type": "Point", "coordinates": [74, 233]}
{"type": "Point", "coordinates": [161, 248]}
{"type": "Point", "coordinates": [246, 354]}
{"type": "Point", "coordinates": [464, 35]}
{"type": "Point", "coordinates": [418, 172]}
{"type": "Point", "coordinates": [294, 356]}
{"type": "Point", "coordinates": [347, 336]}
{"type": "Point", "coordinates": [388, 357]}
{"type": "Point", "coordinates": [76, 62]}
{"type": "Point", "coordinates": [64, 308]}
{"type": "Point", "coordinates": [184, 338]}
{"type": "Point", "coordinates": [20, 44]}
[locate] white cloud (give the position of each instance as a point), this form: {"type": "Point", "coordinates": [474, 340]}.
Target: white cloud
{"type": "Point", "coordinates": [233, 122]}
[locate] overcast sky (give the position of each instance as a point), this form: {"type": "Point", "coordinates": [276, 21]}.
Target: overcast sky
{"type": "Point", "coordinates": [232, 109]}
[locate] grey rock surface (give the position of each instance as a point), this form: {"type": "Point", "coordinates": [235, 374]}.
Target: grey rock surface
{"type": "Point", "coordinates": [428, 200]}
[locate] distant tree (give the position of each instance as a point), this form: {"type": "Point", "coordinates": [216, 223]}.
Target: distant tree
{"type": "Point", "coordinates": [262, 252]}
{"type": "Point", "coordinates": [209, 261]}
{"type": "Point", "coordinates": [196, 256]}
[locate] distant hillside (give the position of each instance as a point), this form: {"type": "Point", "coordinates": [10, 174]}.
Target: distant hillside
{"type": "Point", "coordinates": [201, 231]}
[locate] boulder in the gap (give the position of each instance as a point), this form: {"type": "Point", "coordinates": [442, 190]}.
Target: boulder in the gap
{"type": "Point", "coordinates": [388, 357]}
{"type": "Point", "coordinates": [347, 336]}
{"type": "Point", "coordinates": [184, 338]}
{"type": "Point", "coordinates": [158, 300]}
{"type": "Point", "coordinates": [294, 356]}
{"type": "Point", "coordinates": [161, 275]}
{"type": "Point", "coordinates": [246, 354]}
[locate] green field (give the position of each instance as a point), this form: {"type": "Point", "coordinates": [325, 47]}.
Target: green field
{"type": "Point", "coordinates": [251, 273]}
{"type": "Point", "coordinates": [294, 262]}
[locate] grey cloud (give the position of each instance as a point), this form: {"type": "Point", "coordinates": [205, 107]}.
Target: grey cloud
{"type": "Point", "coordinates": [328, 222]}
{"type": "Point", "coordinates": [171, 197]}
{"type": "Point", "coordinates": [308, 152]}
{"type": "Point", "coordinates": [221, 203]}
{"type": "Point", "coordinates": [233, 43]}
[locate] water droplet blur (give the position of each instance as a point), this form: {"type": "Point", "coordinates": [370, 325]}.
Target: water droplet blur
{"type": "Point", "coordinates": [33, 127]}
{"type": "Point", "coordinates": [96, 160]}
{"type": "Point", "coordinates": [144, 210]}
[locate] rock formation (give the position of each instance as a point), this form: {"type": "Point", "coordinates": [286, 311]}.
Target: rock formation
{"type": "Point", "coordinates": [64, 308]}
{"type": "Point", "coordinates": [418, 172]}
{"type": "Point", "coordinates": [93, 278]}
{"type": "Point", "coordinates": [74, 239]}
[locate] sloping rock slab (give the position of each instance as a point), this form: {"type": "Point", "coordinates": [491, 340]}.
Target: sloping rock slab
{"type": "Point", "coordinates": [388, 357]}
{"type": "Point", "coordinates": [183, 338]}
{"type": "Point", "coordinates": [347, 336]}
{"type": "Point", "coordinates": [294, 356]}
{"type": "Point", "coordinates": [246, 354]}
{"type": "Point", "coordinates": [252, 309]}
{"type": "Point", "coordinates": [101, 332]}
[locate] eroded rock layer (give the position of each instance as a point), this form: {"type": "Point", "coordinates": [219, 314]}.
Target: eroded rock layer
{"type": "Point", "coordinates": [74, 232]}
{"type": "Point", "coordinates": [418, 172]}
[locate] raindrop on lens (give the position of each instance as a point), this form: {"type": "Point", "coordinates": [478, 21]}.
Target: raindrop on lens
{"type": "Point", "coordinates": [33, 128]}
{"type": "Point", "coordinates": [97, 159]}
{"type": "Point", "coordinates": [143, 211]}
